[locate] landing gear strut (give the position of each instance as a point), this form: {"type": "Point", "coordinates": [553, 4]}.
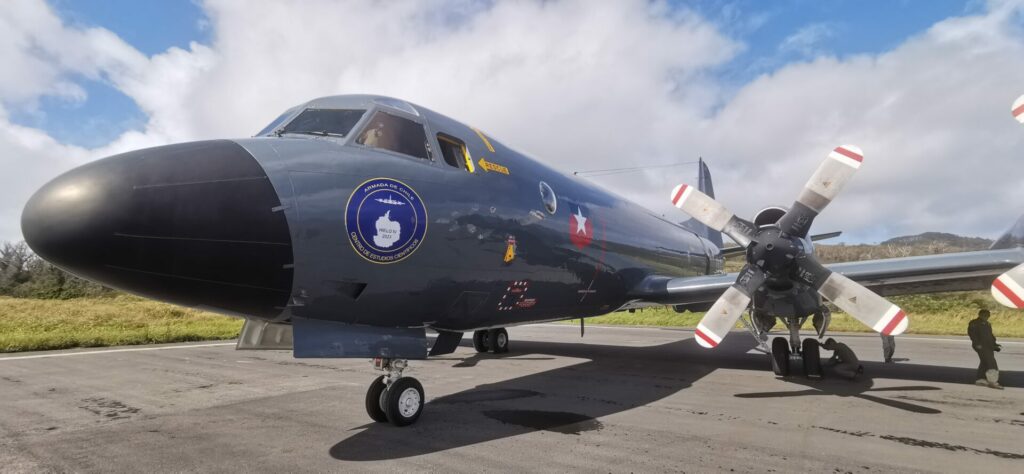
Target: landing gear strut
{"type": "Point", "coordinates": [491, 340]}
{"type": "Point", "coordinates": [784, 351]}
{"type": "Point", "coordinates": [392, 397]}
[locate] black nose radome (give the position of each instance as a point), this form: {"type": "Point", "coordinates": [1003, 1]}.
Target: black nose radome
{"type": "Point", "coordinates": [197, 224]}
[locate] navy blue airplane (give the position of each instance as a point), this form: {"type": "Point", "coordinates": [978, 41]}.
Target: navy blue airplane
{"type": "Point", "coordinates": [352, 224]}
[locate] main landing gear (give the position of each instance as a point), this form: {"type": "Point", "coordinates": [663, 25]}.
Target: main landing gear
{"type": "Point", "coordinates": [491, 340]}
{"type": "Point", "coordinates": [393, 398]}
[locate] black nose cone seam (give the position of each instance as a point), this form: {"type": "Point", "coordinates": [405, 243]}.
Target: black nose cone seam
{"type": "Point", "coordinates": [196, 224]}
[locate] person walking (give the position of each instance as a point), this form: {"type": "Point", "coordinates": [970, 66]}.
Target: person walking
{"type": "Point", "coordinates": [984, 343]}
{"type": "Point", "coordinates": [846, 363]}
{"type": "Point", "coordinates": [888, 347]}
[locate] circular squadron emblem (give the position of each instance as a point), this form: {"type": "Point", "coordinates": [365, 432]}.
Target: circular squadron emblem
{"type": "Point", "coordinates": [385, 220]}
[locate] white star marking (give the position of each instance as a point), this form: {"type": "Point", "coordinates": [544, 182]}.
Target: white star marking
{"type": "Point", "coordinates": [581, 222]}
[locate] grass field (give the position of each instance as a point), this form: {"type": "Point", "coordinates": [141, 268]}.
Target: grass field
{"type": "Point", "coordinates": [32, 324]}
{"type": "Point", "coordinates": [941, 313]}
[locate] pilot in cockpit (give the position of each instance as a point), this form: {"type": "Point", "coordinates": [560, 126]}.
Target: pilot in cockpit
{"type": "Point", "coordinates": [372, 136]}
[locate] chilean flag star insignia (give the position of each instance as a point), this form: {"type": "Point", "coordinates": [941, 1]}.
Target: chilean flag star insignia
{"type": "Point", "coordinates": [581, 230]}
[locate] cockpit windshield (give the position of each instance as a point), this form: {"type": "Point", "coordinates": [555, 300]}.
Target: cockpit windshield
{"type": "Point", "coordinates": [326, 122]}
{"type": "Point", "coordinates": [277, 122]}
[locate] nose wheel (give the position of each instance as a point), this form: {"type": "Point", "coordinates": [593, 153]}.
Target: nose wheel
{"type": "Point", "coordinates": [393, 398]}
{"type": "Point", "coordinates": [809, 355]}
{"type": "Point", "coordinates": [780, 356]}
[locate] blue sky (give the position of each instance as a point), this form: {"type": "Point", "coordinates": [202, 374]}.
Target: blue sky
{"type": "Point", "coordinates": [773, 33]}
{"type": "Point", "coordinates": [151, 26]}
{"type": "Point", "coordinates": [776, 33]}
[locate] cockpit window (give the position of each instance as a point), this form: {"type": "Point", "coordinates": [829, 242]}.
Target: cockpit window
{"type": "Point", "coordinates": [327, 122]}
{"type": "Point", "coordinates": [277, 122]}
{"type": "Point", "coordinates": [454, 152]}
{"type": "Point", "coordinates": [397, 134]}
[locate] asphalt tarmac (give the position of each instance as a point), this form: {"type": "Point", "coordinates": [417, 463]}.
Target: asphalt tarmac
{"type": "Point", "coordinates": [618, 400]}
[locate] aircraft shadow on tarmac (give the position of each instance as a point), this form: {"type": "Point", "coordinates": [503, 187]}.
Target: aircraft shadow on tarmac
{"type": "Point", "coordinates": [611, 380]}
{"type": "Point", "coordinates": [846, 388]}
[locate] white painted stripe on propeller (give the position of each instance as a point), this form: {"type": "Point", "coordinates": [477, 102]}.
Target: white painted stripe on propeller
{"type": "Point", "coordinates": [849, 155]}
{"type": "Point", "coordinates": [705, 337]}
{"type": "Point", "coordinates": [700, 206]}
{"type": "Point", "coordinates": [1018, 109]}
{"type": "Point", "coordinates": [678, 198]}
{"type": "Point", "coordinates": [890, 325]}
{"type": "Point", "coordinates": [1007, 290]}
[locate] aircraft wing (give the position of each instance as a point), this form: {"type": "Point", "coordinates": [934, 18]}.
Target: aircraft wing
{"type": "Point", "coordinates": [888, 277]}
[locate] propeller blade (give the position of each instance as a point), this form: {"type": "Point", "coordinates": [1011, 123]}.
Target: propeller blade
{"type": "Point", "coordinates": [712, 214]}
{"type": "Point", "coordinates": [722, 316]}
{"type": "Point", "coordinates": [1008, 289]}
{"type": "Point", "coordinates": [826, 236]}
{"type": "Point", "coordinates": [821, 189]}
{"type": "Point", "coordinates": [1018, 109]}
{"type": "Point", "coordinates": [863, 304]}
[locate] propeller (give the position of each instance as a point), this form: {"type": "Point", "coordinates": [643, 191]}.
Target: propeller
{"type": "Point", "coordinates": [779, 253]}
{"type": "Point", "coordinates": [1018, 109]}
{"type": "Point", "coordinates": [1008, 289]}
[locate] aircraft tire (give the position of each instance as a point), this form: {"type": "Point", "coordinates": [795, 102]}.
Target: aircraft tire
{"type": "Point", "coordinates": [480, 340]}
{"type": "Point", "coordinates": [812, 359]}
{"type": "Point", "coordinates": [780, 356]}
{"type": "Point", "coordinates": [497, 340]}
{"type": "Point", "coordinates": [375, 400]}
{"type": "Point", "coordinates": [403, 402]}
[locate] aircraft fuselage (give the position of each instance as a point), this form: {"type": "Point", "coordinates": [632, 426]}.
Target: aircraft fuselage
{"type": "Point", "coordinates": [323, 227]}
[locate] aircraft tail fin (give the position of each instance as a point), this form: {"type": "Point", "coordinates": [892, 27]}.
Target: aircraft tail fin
{"type": "Point", "coordinates": [705, 186]}
{"type": "Point", "coordinates": [1012, 238]}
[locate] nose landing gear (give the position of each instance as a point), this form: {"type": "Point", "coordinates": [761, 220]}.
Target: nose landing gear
{"type": "Point", "coordinates": [392, 397]}
{"type": "Point", "coordinates": [783, 352]}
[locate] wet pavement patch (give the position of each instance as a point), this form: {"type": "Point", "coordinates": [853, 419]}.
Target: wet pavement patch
{"type": "Point", "coordinates": [110, 409]}
{"type": "Point", "coordinates": [476, 396]}
{"type": "Point", "coordinates": [554, 421]}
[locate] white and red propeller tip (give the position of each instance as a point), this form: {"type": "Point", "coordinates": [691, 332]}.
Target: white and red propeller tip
{"type": "Point", "coordinates": [705, 337]}
{"type": "Point", "coordinates": [680, 193]}
{"type": "Point", "coordinates": [893, 323]}
{"type": "Point", "coordinates": [864, 305]}
{"type": "Point", "coordinates": [849, 155]}
{"type": "Point", "coordinates": [830, 177]}
{"type": "Point", "coordinates": [1008, 289]}
{"type": "Point", "coordinates": [700, 206]}
{"type": "Point", "coordinates": [721, 318]}
{"type": "Point", "coordinates": [1018, 109]}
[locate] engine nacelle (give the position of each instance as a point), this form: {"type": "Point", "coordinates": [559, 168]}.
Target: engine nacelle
{"type": "Point", "coordinates": [769, 215]}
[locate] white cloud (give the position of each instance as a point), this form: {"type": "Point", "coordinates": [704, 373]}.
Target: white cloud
{"type": "Point", "coordinates": [931, 115]}
{"type": "Point", "coordinates": [807, 39]}
{"type": "Point", "coordinates": [581, 85]}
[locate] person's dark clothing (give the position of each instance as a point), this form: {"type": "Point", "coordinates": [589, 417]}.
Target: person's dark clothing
{"type": "Point", "coordinates": [988, 362]}
{"type": "Point", "coordinates": [984, 343]}
{"type": "Point", "coordinates": [847, 364]}
{"type": "Point", "coordinates": [888, 347]}
{"type": "Point", "coordinates": [981, 335]}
